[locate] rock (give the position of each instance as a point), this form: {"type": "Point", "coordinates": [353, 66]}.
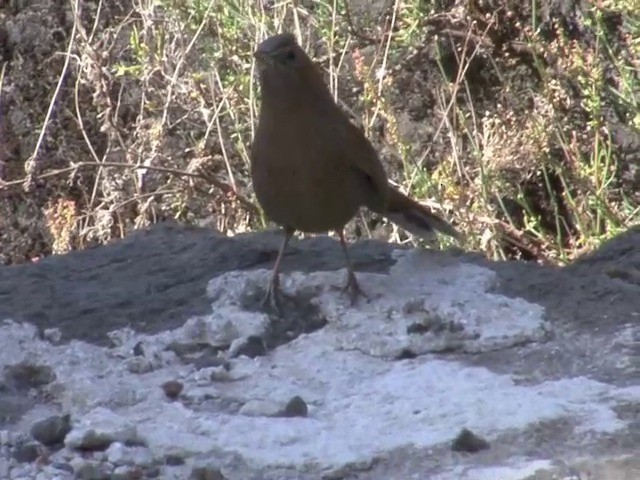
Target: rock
{"type": "Point", "coordinates": [172, 389]}
{"type": "Point", "coordinates": [54, 471]}
{"type": "Point", "coordinates": [138, 350]}
{"type": "Point", "coordinates": [296, 407]}
{"type": "Point", "coordinates": [53, 335]}
{"type": "Point", "coordinates": [251, 346]}
{"type": "Point", "coordinates": [27, 453]}
{"type": "Point", "coordinates": [99, 429]}
{"type": "Point", "coordinates": [206, 473]}
{"type": "Point", "coordinates": [92, 441]}
{"type": "Point", "coordinates": [7, 437]}
{"type": "Point", "coordinates": [21, 473]}
{"type": "Point", "coordinates": [5, 466]}
{"type": "Point", "coordinates": [139, 365]}
{"type": "Point", "coordinates": [52, 430]}
{"type": "Point", "coordinates": [173, 460]}
{"type": "Point", "coordinates": [24, 375]}
{"type": "Point", "coordinates": [220, 374]}
{"type": "Point", "coordinates": [65, 467]}
{"type": "Point", "coordinates": [469, 442]}
{"type": "Point", "coordinates": [210, 359]}
{"type": "Point", "coordinates": [395, 414]}
{"type": "Point", "coordinates": [90, 470]}
{"type": "Point", "coordinates": [184, 349]}
{"type": "Point", "coordinates": [199, 330]}
{"type": "Point", "coordinates": [152, 472]}
{"type": "Point", "coordinates": [13, 405]}
{"type": "Point", "coordinates": [261, 408]}
{"type": "Point", "coordinates": [115, 453]}
{"type": "Point", "coordinates": [127, 472]}
{"type": "Point", "coordinates": [121, 454]}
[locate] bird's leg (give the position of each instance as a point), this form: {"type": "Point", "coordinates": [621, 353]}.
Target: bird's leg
{"type": "Point", "coordinates": [273, 295]}
{"type": "Point", "coordinates": [352, 285]}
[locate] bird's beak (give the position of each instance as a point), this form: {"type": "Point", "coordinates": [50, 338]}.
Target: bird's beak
{"type": "Point", "coordinates": [260, 56]}
{"type": "Point", "coordinates": [263, 61]}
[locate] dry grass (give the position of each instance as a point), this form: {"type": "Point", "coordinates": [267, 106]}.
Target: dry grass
{"type": "Point", "coordinates": [521, 130]}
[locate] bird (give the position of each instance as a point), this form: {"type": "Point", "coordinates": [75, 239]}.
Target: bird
{"type": "Point", "coordinates": [312, 169]}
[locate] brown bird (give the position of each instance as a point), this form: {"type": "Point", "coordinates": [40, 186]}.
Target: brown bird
{"type": "Point", "coordinates": [312, 169]}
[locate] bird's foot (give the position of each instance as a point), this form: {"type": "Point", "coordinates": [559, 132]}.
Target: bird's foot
{"type": "Point", "coordinates": [352, 287]}
{"type": "Point", "coordinates": [274, 296]}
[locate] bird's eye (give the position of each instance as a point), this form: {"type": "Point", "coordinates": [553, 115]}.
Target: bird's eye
{"type": "Point", "coordinates": [291, 55]}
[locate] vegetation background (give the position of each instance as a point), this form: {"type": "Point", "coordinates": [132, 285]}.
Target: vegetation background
{"type": "Point", "coordinates": [519, 121]}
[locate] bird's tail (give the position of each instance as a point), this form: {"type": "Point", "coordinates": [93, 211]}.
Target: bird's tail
{"type": "Point", "coordinates": [414, 217]}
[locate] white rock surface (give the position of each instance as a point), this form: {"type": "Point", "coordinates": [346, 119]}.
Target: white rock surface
{"type": "Point", "coordinates": [362, 402]}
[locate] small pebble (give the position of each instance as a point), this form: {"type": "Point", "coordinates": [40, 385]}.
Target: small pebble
{"type": "Point", "coordinates": [65, 467]}
{"type": "Point", "coordinates": [173, 460]}
{"type": "Point", "coordinates": [206, 473]}
{"type": "Point", "coordinates": [296, 407]}
{"type": "Point", "coordinates": [91, 470]}
{"type": "Point", "coordinates": [53, 335]}
{"type": "Point", "coordinates": [138, 351]}
{"type": "Point", "coordinates": [220, 374]}
{"type": "Point", "coordinates": [469, 442]}
{"type": "Point", "coordinates": [27, 453]}
{"type": "Point", "coordinates": [127, 472]}
{"type": "Point", "coordinates": [172, 389]}
{"type": "Point", "coordinates": [153, 472]}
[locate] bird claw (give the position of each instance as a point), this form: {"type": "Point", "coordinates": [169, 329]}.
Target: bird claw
{"type": "Point", "coordinates": [352, 287]}
{"type": "Point", "coordinates": [274, 297]}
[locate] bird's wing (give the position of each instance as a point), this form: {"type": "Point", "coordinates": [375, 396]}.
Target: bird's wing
{"type": "Point", "coordinates": [367, 173]}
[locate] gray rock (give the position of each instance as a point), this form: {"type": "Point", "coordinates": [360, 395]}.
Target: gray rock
{"type": "Point", "coordinates": [261, 408]}
{"type": "Point", "coordinates": [139, 365]}
{"type": "Point", "coordinates": [62, 466]}
{"type": "Point", "coordinates": [469, 442]}
{"type": "Point", "coordinates": [52, 430]}
{"type": "Point", "coordinates": [186, 349]}
{"type": "Point", "coordinates": [174, 460]}
{"type": "Point", "coordinates": [91, 470]}
{"type": "Point", "coordinates": [152, 472]}
{"type": "Point", "coordinates": [99, 429]}
{"type": "Point", "coordinates": [27, 453]}
{"type": "Point", "coordinates": [220, 374]}
{"type": "Point", "coordinates": [296, 407]}
{"type": "Point", "coordinates": [206, 473]}
{"type": "Point", "coordinates": [172, 389]}
{"type": "Point", "coordinates": [251, 346]}
{"type": "Point", "coordinates": [92, 440]}
{"type": "Point", "coordinates": [119, 454]}
{"type": "Point", "coordinates": [127, 472]}
{"type": "Point", "coordinates": [25, 375]}
{"type": "Point", "coordinates": [210, 359]}
{"type": "Point", "coordinates": [53, 335]}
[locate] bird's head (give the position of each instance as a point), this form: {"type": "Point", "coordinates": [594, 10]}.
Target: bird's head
{"type": "Point", "coordinates": [280, 52]}
{"type": "Point", "coordinates": [286, 70]}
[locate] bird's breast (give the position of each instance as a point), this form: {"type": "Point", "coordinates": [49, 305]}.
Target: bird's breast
{"type": "Point", "coordinates": [299, 174]}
